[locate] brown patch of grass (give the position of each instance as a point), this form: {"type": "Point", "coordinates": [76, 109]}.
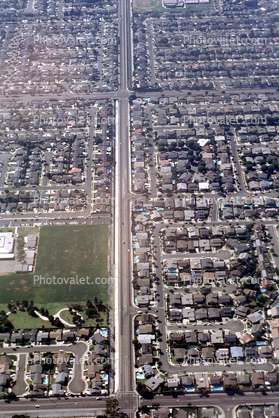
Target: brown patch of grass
{"type": "Point", "coordinates": [146, 5]}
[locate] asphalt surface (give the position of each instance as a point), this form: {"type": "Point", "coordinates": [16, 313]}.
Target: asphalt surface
{"type": "Point", "coordinates": [226, 401]}
{"type": "Point", "coordinates": [128, 399]}
{"type": "Point", "coordinates": [79, 349]}
{"type": "Point", "coordinates": [21, 384]}
{"type": "Point", "coordinates": [88, 406]}
{"type": "Point", "coordinates": [125, 376]}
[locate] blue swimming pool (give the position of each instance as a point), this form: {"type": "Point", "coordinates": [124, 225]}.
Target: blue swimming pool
{"type": "Point", "coordinates": [217, 388]}
{"type": "Point", "coordinates": [140, 376]}
{"type": "Point", "coordinates": [104, 332]}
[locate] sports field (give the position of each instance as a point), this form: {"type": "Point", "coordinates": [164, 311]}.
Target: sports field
{"type": "Point", "coordinates": [142, 6]}
{"type": "Point", "coordinates": [70, 252]}
{"type": "Point", "coordinates": [147, 5]}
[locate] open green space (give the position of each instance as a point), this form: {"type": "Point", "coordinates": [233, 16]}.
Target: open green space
{"type": "Point", "coordinates": [67, 316]}
{"type": "Point", "coordinates": [143, 6]}
{"type": "Point", "coordinates": [74, 251]}
{"type": "Point", "coordinates": [7, 229]}
{"type": "Point", "coordinates": [21, 320]}
{"type": "Point", "coordinates": [23, 232]}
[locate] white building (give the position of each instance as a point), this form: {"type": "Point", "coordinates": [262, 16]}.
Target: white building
{"type": "Point", "coordinates": [6, 245]}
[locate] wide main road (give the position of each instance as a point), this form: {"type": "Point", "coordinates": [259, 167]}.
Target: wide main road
{"type": "Point", "coordinates": [124, 358]}
{"type": "Point", "coordinates": [124, 347]}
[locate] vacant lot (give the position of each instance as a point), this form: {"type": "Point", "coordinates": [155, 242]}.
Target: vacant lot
{"type": "Point", "coordinates": [67, 251]}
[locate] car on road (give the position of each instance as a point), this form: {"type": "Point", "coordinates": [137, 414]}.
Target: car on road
{"type": "Point", "coordinates": [37, 406]}
{"type": "Point", "coordinates": [123, 242]}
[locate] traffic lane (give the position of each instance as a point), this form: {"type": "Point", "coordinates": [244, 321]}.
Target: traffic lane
{"type": "Point", "coordinates": [126, 348]}
{"type": "Point", "coordinates": [21, 384]}
{"type": "Point", "coordinates": [274, 240]}
{"type": "Point", "coordinates": [54, 405]}
{"type": "Point", "coordinates": [230, 399]}
{"type": "Point", "coordinates": [79, 348]}
{"type": "Point", "coordinates": [234, 325]}
{"type": "Point", "coordinates": [213, 368]}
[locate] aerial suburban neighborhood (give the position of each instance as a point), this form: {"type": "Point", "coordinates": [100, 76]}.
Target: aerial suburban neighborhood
{"type": "Point", "coordinates": [139, 209]}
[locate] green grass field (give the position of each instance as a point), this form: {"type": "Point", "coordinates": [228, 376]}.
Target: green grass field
{"type": "Point", "coordinates": [143, 6]}
{"type": "Point", "coordinates": [23, 232]}
{"type": "Point", "coordinates": [21, 320]}
{"type": "Point", "coordinates": [66, 251]}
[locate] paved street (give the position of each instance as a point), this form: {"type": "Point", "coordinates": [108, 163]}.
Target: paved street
{"type": "Point", "coordinates": [21, 384]}
{"type": "Point", "coordinates": [226, 401]}
{"type": "Point", "coordinates": [125, 310]}
{"type": "Point", "coordinates": [79, 349]}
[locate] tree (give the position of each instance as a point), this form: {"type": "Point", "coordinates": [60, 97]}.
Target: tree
{"type": "Point", "coordinates": [58, 323]}
{"type": "Point", "coordinates": [143, 391]}
{"type": "Point", "coordinates": [249, 166]}
{"type": "Point", "coordinates": [98, 140]}
{"type": "Point", "coordinates": [205, 290]}
{"type": "Point", "coordinates": [20, 416]}
{"type": "Point", "coordinates": [10, 395]}
{"type": "Point", "coordinates": [89, 304]}
{"type": "Point", "coordinates": [201, 167]}
{"type": "Point", "coordinates": [106, 368]}
{"type": "Point", "coordinates": [112, 409]}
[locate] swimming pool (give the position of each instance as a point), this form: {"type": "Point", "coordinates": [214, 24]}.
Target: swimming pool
{"type": "Point", "coordinates": [217, 388]}
{"type": "Point", "coordinates": [104, 332]}
{"type": "Point", "coordinates": [140, 376]}
{"type": "Point", "coordinates": [105, 377]}
{"type": "Point", "coordinates": [190, 389]}
{"type": "Point", "coordinates": [46, 380]}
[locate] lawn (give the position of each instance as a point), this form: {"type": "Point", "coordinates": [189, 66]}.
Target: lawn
{"type": "Point", "coordinates": [142, 6]}
{"type": "Point", "coordinates": [67, 316]}
{"type": "Point", "coordinates": [21, 320]}
{"type": "Point", "coordinates": [23, 232]}
{"type": "Point", "coordinates": [7, 230]}
{"type": "Point", "coordinates": [68, 251]}
{"type": "Point", "coordinates": [102, 318]}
